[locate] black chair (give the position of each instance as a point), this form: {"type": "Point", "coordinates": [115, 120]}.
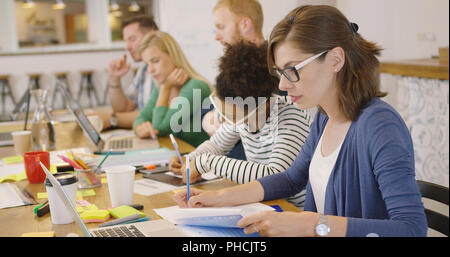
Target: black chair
{"type": "Point", "coordinates": [436, 221]}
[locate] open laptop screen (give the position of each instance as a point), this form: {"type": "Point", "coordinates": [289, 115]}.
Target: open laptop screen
{"type": "Point", "coordinates": [81, 118]}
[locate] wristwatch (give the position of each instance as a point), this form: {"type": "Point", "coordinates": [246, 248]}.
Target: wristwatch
{"type": "Point", "coordinates": [322, 228]}
{"type": "Point", "coordinates": [113, 120]}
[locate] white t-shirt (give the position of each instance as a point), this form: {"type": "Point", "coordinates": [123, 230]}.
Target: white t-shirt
{"type": "Point", "coordinates": [319, 173]}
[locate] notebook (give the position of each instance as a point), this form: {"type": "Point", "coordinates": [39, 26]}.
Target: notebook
{"type": "Point", "coordinates": [119, 143]}
{"type": "Point", "coordinates": [154, 228]}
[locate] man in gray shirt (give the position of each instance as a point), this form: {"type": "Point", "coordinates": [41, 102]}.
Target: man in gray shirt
{"type": "Point", "coordinates": [127, 101]}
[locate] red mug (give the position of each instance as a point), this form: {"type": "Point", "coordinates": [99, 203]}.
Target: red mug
{"type": "Point", "coordinates": [33, 168]}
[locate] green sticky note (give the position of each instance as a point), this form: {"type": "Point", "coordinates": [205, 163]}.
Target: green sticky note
{"type": "Point", "coordinates": [13, 159]}
{"type": "Point", "coordinates": [124, 211]}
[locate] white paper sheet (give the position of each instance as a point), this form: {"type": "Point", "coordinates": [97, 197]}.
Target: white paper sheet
{"type": "Point", "coordinates": [149, 187]}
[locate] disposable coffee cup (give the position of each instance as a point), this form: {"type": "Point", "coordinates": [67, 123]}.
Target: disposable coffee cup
{"type": "Point", "coordinates": [22, 141]}
{"type": "Point", "coordinates": [121, 184]}
{"type": "Point", "coordinates": [59, 213]}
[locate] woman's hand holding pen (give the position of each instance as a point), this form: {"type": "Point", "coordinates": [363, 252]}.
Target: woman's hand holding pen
{"type": "Point", "coordinates": [175, 165]}
{"type": "Point", "coordinates": [198, 198]}
{"type": "Point", "coordinates": [194, 175]}
{"type": "Point", "coordinates": [146, 130]}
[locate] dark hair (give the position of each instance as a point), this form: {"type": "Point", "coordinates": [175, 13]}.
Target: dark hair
{"type": "Point", "coordinates": [146, 23]}
{"type": "Point", "coordinates": [243, 72]}
{"type": "Point", "coordinates": [317, 28]}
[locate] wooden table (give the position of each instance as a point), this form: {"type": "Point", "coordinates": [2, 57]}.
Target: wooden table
{"type": "Point", "coordinates": [18, 220]}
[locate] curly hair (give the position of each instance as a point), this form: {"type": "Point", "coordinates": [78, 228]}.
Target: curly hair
{"type": "Point", "coordinates": [244, 73]}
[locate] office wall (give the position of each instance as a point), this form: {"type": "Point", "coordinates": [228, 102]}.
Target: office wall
{"type": "Point", "coordinates": [191, 23]}
{"type": "Point", "coordinates": [406, 29]}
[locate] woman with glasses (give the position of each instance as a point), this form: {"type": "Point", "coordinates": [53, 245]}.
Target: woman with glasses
{"type": "Point", "coordinates": [271, 128]}
{"type": "Point", "coordinates": [178, 94]}
{"type": "Point", "coordinates": [358, 162]}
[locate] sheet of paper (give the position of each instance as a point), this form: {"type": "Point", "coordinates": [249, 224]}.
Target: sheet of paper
{"type": "Point", "coordinates": [9, 196]}
{"type": "Point", "coordinates": [149, 187]}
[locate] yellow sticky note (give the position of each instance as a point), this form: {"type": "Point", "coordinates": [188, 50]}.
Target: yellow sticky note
{"type": "Point", "coordinates": [53, 169]}
{"type": "Point", "coordinates": [42, 195]}
{"type": "Point", "coordinates": [80, 194]}
{"type": "Point", "coordinates": [39, 234]}
{"type": "Point", "coordinates": [21, 176]}
{"type": "Point", "coordinates": [13, 159]}
{"type": "Point", "coordinates": [104, 181]}
{"type": "Point", "coordinates": [12, 178]}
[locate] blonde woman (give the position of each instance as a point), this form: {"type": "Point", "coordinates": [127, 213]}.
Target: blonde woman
{"type": "Point", "coordinates": [178, 93]}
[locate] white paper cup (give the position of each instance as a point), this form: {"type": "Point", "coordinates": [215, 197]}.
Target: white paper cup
{"type": "Point", "coordinates": [59, 213]}
{"type": "Point", "coordinates": [22, 141]}
{"type": "Point", "coordinates": [121, 184]}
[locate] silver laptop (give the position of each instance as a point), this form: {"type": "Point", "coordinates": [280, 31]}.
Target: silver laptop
{"type": "Point", "coordinates": [153, 228]}
{"type": "Point", "coordinates": [120, 143]}
{"type": "Point", "coordinates": [6, 139]}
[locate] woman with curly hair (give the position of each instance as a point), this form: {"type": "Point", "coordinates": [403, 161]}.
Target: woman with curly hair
{"type": "Point", "coordinates": [271, 128]}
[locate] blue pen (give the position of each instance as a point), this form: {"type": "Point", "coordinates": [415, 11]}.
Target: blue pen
{"type": "Point", "coordinates": [176, 148]}
{"type": "Point", "coordinates": [188, 193]}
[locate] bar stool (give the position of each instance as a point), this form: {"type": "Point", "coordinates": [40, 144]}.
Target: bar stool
{"type": "Point", "coordinates": [86, 84]}
{"type": "Point", "coordinates": [5, 89]}
{"type": "Point", "coordinates": [61, 79]}
{"type": "Point", "coordinates": [33, 83]}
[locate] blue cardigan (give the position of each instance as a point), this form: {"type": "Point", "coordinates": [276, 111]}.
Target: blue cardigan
{"type": "Point", "coordinates": [373, 181]}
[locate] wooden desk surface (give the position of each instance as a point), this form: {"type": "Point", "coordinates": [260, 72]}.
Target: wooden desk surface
{"type": "Point", "coordinates": [18, 220]}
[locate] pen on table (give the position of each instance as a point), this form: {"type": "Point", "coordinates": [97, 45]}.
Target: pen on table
{"type": "Point", "coordinates": [98, 167]}
{"type": "Point", "coordinates": [176, 148]}
{"type": "Point", "coordinates": [110, 152]}
{"type": "Point", "coordinates": [121, 220]}
{"type": "Point", "coordinates": [188, 193]}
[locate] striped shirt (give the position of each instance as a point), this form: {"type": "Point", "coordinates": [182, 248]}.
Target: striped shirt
{"type": "Point", "coordinates": [270, 150]}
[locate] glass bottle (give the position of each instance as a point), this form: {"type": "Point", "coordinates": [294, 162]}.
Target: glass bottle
{"type": "Point", "coordinates": [42, 127]}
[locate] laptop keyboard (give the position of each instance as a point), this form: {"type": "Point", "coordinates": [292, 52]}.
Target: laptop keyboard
{"type": "Point", "coordinates": [123, 143]}
{"type": "Point", "coordinates": [122, 231]}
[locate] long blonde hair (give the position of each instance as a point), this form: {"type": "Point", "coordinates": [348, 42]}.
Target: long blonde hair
{"type": "Point", "coordinates": [167, 44]}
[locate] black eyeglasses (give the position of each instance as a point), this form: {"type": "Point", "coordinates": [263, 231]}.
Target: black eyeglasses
{"type": "Point", "coordinates": [291, 72]}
